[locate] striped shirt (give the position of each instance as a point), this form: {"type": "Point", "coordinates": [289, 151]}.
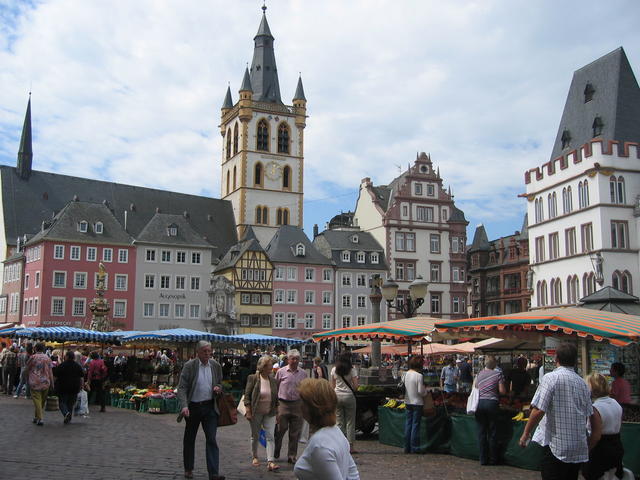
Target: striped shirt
{"type": "Point", "coordinates": [566, 402]}
{"type": "Point", "coordinates": [487, 382]}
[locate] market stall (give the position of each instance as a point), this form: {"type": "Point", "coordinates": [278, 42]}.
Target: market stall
{"type": "Point", "coordinates": [602, 337]}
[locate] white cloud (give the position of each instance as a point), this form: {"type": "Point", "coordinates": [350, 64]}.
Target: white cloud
{"type": "Point", "coordinates": [131, 91]}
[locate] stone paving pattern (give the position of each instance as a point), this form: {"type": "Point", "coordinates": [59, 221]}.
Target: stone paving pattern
{"type": "Point", "coordinates": [124, 444]}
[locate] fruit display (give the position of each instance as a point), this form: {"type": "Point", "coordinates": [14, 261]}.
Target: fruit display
{"type": "Point", "coordinates": [370, 389]}
{"type": "Point", "coordinates": [394, 403]}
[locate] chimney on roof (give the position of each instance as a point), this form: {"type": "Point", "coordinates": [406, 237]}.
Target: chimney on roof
{"type": "Point", "coordinates": [209, 217]}
{"type": "Point", "coordinates": [105, 203]}
{"type": "Point", "coordinates": [132, 207]}
{"type": "Point", "coordinates": [315, 230]}
{"type": "Point", "coordinates": [185, 214]}
{"type": "Point", "coordinates": [157, 209]}
{"type": "Point", "coordinates": [76, 198]}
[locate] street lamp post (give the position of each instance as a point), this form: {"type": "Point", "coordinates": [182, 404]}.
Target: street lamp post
{"type": "Point", "coordinates": [417, 292]}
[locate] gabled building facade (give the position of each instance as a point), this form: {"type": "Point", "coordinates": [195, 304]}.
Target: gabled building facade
{"type": "Point", "coordinates": [61, 268]}
{"type": "Point", "coordinates": [173, 268]}
{"type": "Point", "coordinates": [498, 273]}
{"type": "Point", "coordinates": [423, 234]}
{"type": "Point", "coordinates": [301, 280]}
{"type": "Point", "coordinates": [583, 203]}
{"type": "Point", "coordinates": [357, 258]}
{"type": "Point", "coordinates": [263, 146]}
{"type": "Point", "coordinates": [12, 288]}
{"type": "Point", "coordinates": [250, 271]}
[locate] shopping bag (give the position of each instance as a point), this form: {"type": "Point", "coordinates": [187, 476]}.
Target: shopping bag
{"type": "Point", "coordinates": [472, 401]}
{"type": "Point", "coordinates": [82, 403]}
{"type": "Point", "coordinates": [263, 438]}
{"type": "Point", "coordinates": [304, 432]}
{"type": "Point", "coordinates": [228, 411]}
{"type": "Point", "coordinates": [242, 410]}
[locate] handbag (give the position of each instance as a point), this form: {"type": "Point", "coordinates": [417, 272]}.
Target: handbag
{"type": "Point", "coordinates": [242, 410]}
{"type": "Point", "coordinates": [472, 401]}
{"type": "Point", "coordinates": [228, 411]}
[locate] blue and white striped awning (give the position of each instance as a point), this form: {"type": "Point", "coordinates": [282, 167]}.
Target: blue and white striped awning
{"type": "Point", "coordinates": [258, 339]}
{"type": "Point", "coordinates": [178, 335]}
{"type": "Point", "coordinates": [10, 331]}
{"type": "Point", "coordinates": [65, 334]}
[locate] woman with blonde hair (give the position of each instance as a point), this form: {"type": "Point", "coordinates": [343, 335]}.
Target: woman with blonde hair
{"type": "Point", "coordinates": [327, 454]}
{"type": "Point", "coordinates": [261, 402]}
{"type": "Point", "coordinates": [605, 447]}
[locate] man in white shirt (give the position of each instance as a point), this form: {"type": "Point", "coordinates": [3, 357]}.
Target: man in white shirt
{"type": "Point", "coordinates": [200, 383]}
{"type": "Point", "coordinates": [561, 407]}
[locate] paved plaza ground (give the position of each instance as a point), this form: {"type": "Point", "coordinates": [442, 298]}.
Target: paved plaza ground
{"type": "Point", "coordinates": [124, 444]}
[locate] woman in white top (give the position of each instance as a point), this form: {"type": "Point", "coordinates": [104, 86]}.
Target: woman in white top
{"type": "Point", "coordinates": [344, 380]}
{"type": "Point", "coordinates": [327, 454]}
{"type": "Point", "coordinates": [414, 400]}
{"type": "Point", "coordinates": [261, 402]}
{"type": "Point", "coordinates": [605, 447]}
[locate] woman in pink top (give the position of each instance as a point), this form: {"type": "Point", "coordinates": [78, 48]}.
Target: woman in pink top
{"type": "Point", "coordinates": [620, 388]}
{"type": "Point", "coordinates": [40, 378]}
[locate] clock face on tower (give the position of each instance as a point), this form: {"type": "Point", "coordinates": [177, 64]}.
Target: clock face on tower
{"type": "Point", "coordinates": [273, 170]}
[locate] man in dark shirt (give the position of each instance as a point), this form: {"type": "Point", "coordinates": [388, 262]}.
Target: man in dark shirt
{"type": "Point", "coordinates": [519, 379]}
{"type": "Point", "coordinates": [69, 379]}
{"type": "Point", "coordinates": [466, 376]}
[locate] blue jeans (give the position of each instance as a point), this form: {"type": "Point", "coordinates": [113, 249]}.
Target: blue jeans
{"type": "Point", "coordinates": [66, 402]}
{"type": "Point", "coordinates": [205, 414]}
{"type": "Point", "coordinates": [412, 429]}
{"type": "Point", "coordinates": [450, 388]}
{"type": "Point", "coordinates": [486, 417]}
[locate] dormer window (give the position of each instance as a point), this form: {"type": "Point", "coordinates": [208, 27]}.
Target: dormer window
{"type": "Point", "coordinates": [98, 227]}
{"type": "Point", "coordinates": [172, 230]}
{"type": "Point", "coordinates": [83, 226]}
{"type": "Point", "coordinates": [360, 257]}
{"type": "Point", "coordinates": [300, 250]}
{"type": "Point", "coordinates": [566, 139]}
{"type": "Point", "coordinates": [354, 239]}
{"type": "Point", "coordinates": [346, 256]}
{"type": "Point", "coordinates": [597, 126]}
{"type": "Point", "coordinates": [588, 92]}
{"type": "Point", "coordinates": [375, 258]}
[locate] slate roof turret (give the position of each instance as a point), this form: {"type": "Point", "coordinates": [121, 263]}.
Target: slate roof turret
{"type": "Point", "coordinates": [606, 92]}
{"type": "Point", "coordinates": [264, 73]}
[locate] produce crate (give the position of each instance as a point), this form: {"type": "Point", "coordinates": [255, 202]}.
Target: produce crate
{"type": "Point", "coordinates": [144, 406]}
{"type": "Point", "coordinates": [155, 405]}
{"type": "Point", "coordinates": [171, 405]}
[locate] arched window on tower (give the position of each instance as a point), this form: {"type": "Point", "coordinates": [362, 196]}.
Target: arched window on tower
{"type": "Point", "coordinates": [257, 174]}
{"type": "Point", "coordinates": [265, 215]}
{"type": "Point", "coordinates": [228, 182]}
{"type": "Point", "coordinates": [262, 141]}
{"type": "Point", "coordinates": [234, 178]}
{"type": "Point", "coordinates": [282, 216]}
{"type": "Point", "coordinates": [228, 144]}
{"type": "Point", "coordinates": [235, 139]}
{"type": "Point", "coordinates": [616, 188]}
{"type": "Point", "coordinates": [286, 178]}
{"type": "Point", "coordinates": [258, 215]}
{"type": "Point", "coordinates": [283, 138]}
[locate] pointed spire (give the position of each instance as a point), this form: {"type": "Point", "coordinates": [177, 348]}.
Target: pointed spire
{"type": "Point", "coordinates": [246, 82]}
{"type": "Point", "coordinates": [299, 91]}
{"type": "Point", "coordinates": [228, 102]}
{"type": "Point", "coordinates": [264, 73]}
{"type": "Point", "coordinates": [25, 151]}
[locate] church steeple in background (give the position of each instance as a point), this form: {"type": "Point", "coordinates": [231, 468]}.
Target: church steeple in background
{"type": "Point", "coordinates": [264, 73]}
{"type": "Point", "coordinates": [25, 151]}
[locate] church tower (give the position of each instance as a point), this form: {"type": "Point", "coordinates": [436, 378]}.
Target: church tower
{"type": "Point", "coordinates": [263, 146]}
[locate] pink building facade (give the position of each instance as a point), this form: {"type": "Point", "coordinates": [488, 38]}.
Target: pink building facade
{"type": "Point", "coordinates": [11, 298]}
{"type": "Point", "coordinates": [303, 299]}
{"type": "Point", "coordinates": [60, 280]}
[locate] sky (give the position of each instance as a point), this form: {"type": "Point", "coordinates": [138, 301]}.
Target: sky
{"type": "Point", "coordinates": [130, 91]}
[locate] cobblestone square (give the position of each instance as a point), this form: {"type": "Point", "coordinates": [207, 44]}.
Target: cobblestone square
{"type": "Point", "coordinates": [124, 444]}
